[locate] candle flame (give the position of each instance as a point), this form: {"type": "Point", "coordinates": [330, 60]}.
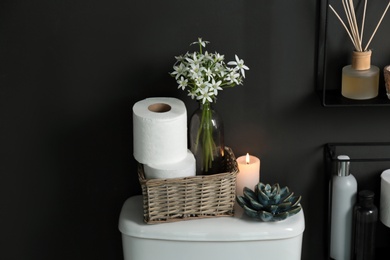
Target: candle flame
{"type": "Point", "coordinates": [247, 159]}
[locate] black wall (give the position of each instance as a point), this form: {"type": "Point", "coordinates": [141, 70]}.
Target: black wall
{"type": "Point", "coordinates": [70, 72]}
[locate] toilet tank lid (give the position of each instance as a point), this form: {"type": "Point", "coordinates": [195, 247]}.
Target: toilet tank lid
{"type": "Point", "coordinates": [237, 228]}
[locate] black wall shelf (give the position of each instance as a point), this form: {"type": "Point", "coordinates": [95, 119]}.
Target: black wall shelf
{"type": "Point", "coordinates": [368, 161]}
{"type": "Point", "coordinates": [361, 151]}
{"type": "Point", "coordinates": [335, 49]}
{"type": "Point", "coordinates": [333, 98]}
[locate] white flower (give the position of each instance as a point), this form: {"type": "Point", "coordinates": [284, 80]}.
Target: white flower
{"type": "Point", "coordinates": [199, 81]}
{"type": "Point", "coordinates": [192, 94]}
{"type": "Point", "coordinates": [195, 59]}
{"type": "Point", "coordinates": [233, 77]}
{"type": "Point", "coordinates": [218, 68]}
{"type": "Point", "coordinates": [205, 95]}
{"type": "Point", "coordinates": [200, 42]}
{"type": "Point", "coordinates": [208, 73]}
{"type": "Point", "coordinates": [182, 83]}
{"type": "Point", "coordinates": [179, 70]}
{"type": "Point", "coordinates": [219, 57]}
{"type": "Point", "coordinates": [195, 71]}
{"type": "Point", "coordinates": [207, 56]}
{"type": "Point", "coordinates": [239, 65]}
{"type": "Point", "coordinates": [215, 86]}
{"type": "Point", "coordinates": [179, 58]}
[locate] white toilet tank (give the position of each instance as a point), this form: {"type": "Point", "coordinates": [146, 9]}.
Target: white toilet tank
{"type": "Point", "coordinates": [227, 238]}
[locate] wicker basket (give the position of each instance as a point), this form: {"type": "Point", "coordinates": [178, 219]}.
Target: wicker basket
{"type": "Point", "coordinates": [169, 200]}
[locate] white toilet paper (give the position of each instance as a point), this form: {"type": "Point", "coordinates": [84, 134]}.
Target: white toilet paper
{"type": "Point", "coordinates": [184, 168]}
{"type": "Point", "coordinates": [159, 130]}
{"type": "Point", "coordinates": [384, 211]}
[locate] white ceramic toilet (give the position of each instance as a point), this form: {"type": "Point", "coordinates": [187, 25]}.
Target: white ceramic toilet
{"type": "Point", "coordinates": [226, 238]}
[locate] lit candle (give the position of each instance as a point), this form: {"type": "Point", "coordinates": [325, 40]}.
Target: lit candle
{"type": "Point", "coordinates": [249, 175]}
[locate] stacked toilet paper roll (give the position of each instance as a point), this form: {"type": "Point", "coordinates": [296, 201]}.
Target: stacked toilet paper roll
{"type": "Point", "coordinates": [183, 168]}
{"type": "Point", "coordinates": [384, 211]}
{"type": "Point", "coordinates": [160, 138]}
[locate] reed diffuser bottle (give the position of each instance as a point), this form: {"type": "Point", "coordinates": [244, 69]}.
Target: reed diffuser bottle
{"type": "Point", "coordinates": [360, 80]}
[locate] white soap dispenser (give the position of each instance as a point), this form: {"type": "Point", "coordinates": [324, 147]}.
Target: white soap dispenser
{"type": "Point", "coordinates": [344, 193]}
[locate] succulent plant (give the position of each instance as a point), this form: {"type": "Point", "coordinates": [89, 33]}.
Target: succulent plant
{"type": "Point", "coordinates": [269, 203]}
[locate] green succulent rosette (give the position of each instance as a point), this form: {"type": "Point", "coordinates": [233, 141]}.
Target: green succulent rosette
{"type": "Point", "coordinates": [269, 203]}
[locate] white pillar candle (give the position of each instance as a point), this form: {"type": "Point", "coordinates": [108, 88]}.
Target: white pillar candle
{"type": "Point", "coordinates": [249, 173]}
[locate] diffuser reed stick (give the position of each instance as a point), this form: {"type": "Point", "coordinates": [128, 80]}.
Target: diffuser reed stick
{"type": "Point", "coordinates": [377, 26]}
{"type": "Point", "coordinates": [355, 34]}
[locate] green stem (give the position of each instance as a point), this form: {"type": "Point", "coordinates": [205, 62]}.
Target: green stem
{"type": "Point", "coordinates": [205, 133]}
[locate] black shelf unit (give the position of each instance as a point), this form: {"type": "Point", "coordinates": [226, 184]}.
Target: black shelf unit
{"type": "Point", "coordinates": [334, 52]}
{"type": "Point", "coordinates": [368, 161]}
{"type": "Point", "coordinates": [363, 151]}
{"type": "Point", "coordinates": [333, 98]}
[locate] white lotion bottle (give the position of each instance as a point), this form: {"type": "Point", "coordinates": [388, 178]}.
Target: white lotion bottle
{"type": "Point", "coordinates": [344, 193]}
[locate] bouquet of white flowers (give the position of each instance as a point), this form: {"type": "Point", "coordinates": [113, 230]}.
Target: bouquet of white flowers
{"type": "Point", "coordinates": [203, 75]}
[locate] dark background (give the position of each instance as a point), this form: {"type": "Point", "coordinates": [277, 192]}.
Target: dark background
{"type": "Point", "coordinates": [70, 72]}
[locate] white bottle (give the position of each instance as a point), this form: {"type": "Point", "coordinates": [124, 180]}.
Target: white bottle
{"type": "Point", "coordinates": [344, 193]}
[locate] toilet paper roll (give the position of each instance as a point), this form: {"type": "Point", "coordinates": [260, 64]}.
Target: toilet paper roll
{"type": "Point", "coordinates": [184, 168]}
{"type": "Point", "coordinates": [159, 130]}
{"type": "Point", "coordinates": [385, 198]}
